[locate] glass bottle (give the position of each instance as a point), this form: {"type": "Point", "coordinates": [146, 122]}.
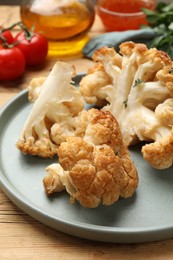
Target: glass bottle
{"type": "Point", "coordinates": [65, 23]}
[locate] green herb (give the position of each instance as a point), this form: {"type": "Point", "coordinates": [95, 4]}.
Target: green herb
{"type": "Point", "coordinates": [138, 82]}
{"type": "Point", "coordinates": [161, 21]}
{"type": "Point", "coordinates": [125, 103]}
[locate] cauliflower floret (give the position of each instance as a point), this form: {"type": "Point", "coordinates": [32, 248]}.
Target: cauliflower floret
{"type": "Point", "coordinates": [102, 128]}
{"type": "Point", "coordinates": [98, 85]}
{"type": "Point", "coordinates": [94, 169]}
{"type": "Point", "coordinates": [160, 153]}
{"type": "Point", "coordinates": [53, 116]}
{"type": "Point", "coordinates": [96, 79]}
{"type": "Point", "coordinates": [52, 181]}
{"type": "Point", "coordinates": [164, 112]}
{"type": "Point", "coordinates": [35, 87]}
{"type": "Point", "coordinates": [166, 76]}
{"type": "Point", "coordinates": [136, 84]}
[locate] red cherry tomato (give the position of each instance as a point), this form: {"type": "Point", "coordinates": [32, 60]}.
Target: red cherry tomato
{"type": "Point", "coordinates": [12, 63]}
{"type": "Point", "coordinates": [35, 49]}
{"type": "Point", "coordinates": [7, 35]}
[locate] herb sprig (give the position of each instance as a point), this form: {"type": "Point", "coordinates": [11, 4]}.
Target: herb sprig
{"type": "Point", "coordinates": [161, 20]}
{"type": "Point", "coordinates": [125, 103]}
{"type": "Point", "coordinates": [138, 83]}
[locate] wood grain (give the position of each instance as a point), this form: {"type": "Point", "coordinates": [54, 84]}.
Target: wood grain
{"type": "Point", "coordinates": [21, 236]}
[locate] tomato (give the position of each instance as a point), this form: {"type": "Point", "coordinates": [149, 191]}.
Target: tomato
{"type": "Point", "coordinates": [12, 63]}
{"type": "Point", "coordinates": [7, 35]}
{"type": "Point", "coordinates": [35, 49]}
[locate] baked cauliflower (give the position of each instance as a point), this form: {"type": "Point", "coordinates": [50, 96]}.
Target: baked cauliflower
{"type": "Point", "coordinates": [56, 113]}
{"type": "Point", "coordinates": [94, 163]}
{"type": "Point", "coordinates": [96, 168]}
{"type": "Point", "coordinates": [136, 86]}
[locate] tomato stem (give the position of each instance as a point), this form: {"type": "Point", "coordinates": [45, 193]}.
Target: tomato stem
{"type": "Point", "coordinates": [4, 42]}
{"type": "Point", "coordinates": [10, 27]}
{"type": "Point", "coordinates": [28, 33]}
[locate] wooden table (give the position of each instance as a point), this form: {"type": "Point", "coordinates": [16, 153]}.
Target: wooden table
{"type": "Point", "coordinates": [22, 237]}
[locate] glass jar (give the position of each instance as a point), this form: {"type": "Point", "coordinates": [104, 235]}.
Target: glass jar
{"type": "Point", "coordinates": [65, 23]}
{"type": "Point", "coordinates": [121, 15]}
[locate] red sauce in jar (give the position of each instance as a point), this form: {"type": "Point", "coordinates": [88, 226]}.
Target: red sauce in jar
{"type": "Point", "coordinates": [128, 13]}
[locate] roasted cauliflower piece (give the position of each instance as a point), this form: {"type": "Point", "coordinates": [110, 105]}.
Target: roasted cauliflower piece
{"type": "Point", "coordinates": [54, 114]}
{"type": "Point", "coordinates": [94, 169]}
{"type": "Point", "coordinates": [35, 87]}
{"type": "Point", "coordinates": [160, 153]}
{"type": "Point", "coordinates": [137, 87]}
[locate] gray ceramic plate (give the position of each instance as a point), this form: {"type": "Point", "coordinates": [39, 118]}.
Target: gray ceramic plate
{"type": "Point", "coordinates": [147, 216]}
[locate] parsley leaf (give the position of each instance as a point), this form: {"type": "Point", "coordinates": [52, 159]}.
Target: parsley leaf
{"type": "Point", "coordinates": [161, 22]}
{"type": "Point", "coordinates": [138, 82]}
{"type": "Point", "coordinates": [125, 103]}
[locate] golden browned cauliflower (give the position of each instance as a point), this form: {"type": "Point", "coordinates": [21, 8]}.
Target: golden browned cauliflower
{"type": "Point", "coordinates": [136, 86]}
{"type": "Point", "coordinates": [94, 169]}
{"type": "Point", "coordinates": [58, 112]}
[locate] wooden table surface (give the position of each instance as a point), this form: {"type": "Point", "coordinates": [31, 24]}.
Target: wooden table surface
{"type": "Point", "coordinates": [21, 236]}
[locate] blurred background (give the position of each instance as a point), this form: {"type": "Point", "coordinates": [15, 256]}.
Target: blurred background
{"type": "Point", "coordinates": [16, 2]}
{"type": "Point", "coordinates": [10, 2]}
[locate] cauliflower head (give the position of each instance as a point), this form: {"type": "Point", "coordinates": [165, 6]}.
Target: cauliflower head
{"type": "Point", "coordinates": [136, 86]}
{"type": "Point", "coordinates": [95, 169]}
{"type": "Point", "coordinates": [54, 114]}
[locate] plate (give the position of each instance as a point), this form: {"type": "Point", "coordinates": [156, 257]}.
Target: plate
{"type": "Point", "coordinates": [146, 216]}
